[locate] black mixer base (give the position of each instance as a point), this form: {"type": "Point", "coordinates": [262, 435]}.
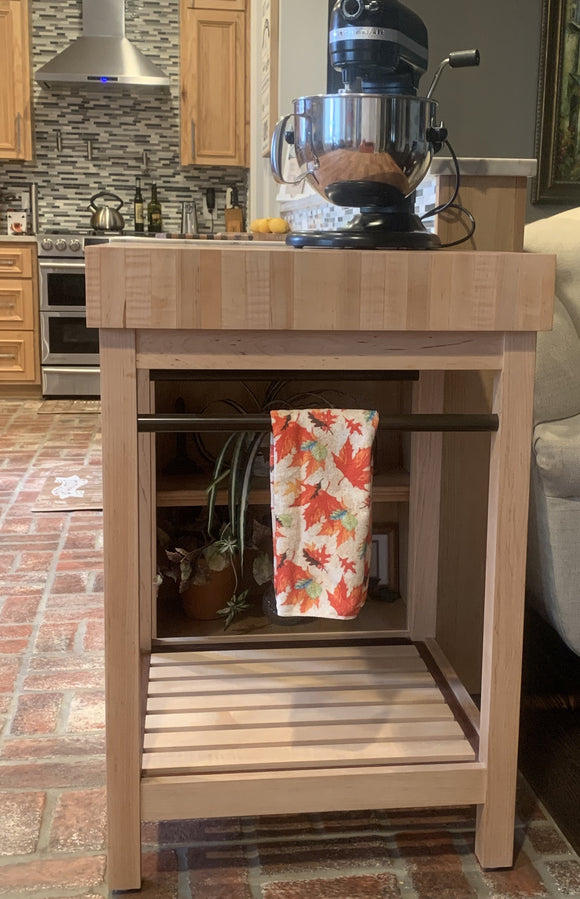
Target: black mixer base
{"type": "Point", "coordinates": [360, 240]}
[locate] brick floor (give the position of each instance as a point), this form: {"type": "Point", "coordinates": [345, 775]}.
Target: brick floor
{"type": "Point", "coordinates": [52, 766]}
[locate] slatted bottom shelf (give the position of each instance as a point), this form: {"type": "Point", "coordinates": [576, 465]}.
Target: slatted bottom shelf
{"type": "Point", "coordinates": [267, 710]}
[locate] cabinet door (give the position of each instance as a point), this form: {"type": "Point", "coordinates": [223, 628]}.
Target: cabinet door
{"type": "Point", "coordinates": [17, 356]}
{"type": "Point", "coordinates": [16, 305]}
{"type": "Point", "coordinates": [15, 91]}
{"type": "Point", "coordinates": [213, 87]}
{"type": "Point", "coordinates": [15, 262]}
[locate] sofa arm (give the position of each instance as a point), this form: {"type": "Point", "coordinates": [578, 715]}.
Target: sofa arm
{"type": "Point", "coordinates": [553, 564]}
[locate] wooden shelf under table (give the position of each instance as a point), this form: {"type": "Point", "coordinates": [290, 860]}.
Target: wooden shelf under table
{"type": "Point", "coordinates": [190, 490]}
{"type": "Point", "coordinates": [241, 719]}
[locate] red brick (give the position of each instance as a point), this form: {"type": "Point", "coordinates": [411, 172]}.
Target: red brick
{"type": "Point", "coordinates": [219, 873]}
{"type": "Point", "coordinates": [74, 607]}
{"type": "Point", "coordinates": [65, 680]}
{"type": "Point", "coordinates": [191, 831]}
{"type": "Point", "coordinates": [35, 561]}
{"type": "Point", "coordinates": [428, 850]}
{"type": "Point", "coordinates": [37, 713]}
{"type": "Point", "coordinates": [14, 638]}
{"type": "Point", "coordinates": [442, 884]}
{"type": "Point", "coordinates": [53, 747]}
{"type": "Point", "coordinates": [369, 886]}
{"type": "Point", "coordinates": [546, 840]}
{"type": "Point", "coordinates": [80, 560]}
{"type": "Point", "coordinates": [309, 856]}
{"type": "Point", "coordinates": [69, 582]}
{"type": "Point", "coordinates": [52, 874]}
{"type": "Point", "coordinates": [87, 712]}
{"type": "Point", "coordinates": [56, 636]}
{"type": "Point", "coordinates": [49, 775]}
{"type": "Point", "coordinates": [79, 821]}
{"type": "Point", "coordinates": [567, 876]}
{"type": "Point", "coordinates": [520, 882]}
{"type": "Point", "coordinates": [19, 610]}
{"type": "Point", "coordinates": [8, 674]}
{"type": "Point", "coordinates": [94, 636]}
{"type": "Point", "coordinates": [160, 877]}
{"type": "Point", "coordinates": [6, 561]}
{"type": "Point", "coordinates": [50, 523]}
{"type": "Point", "coordinates": [20, 819]}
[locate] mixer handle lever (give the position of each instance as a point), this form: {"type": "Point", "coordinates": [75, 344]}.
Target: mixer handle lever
{"type": "Point", "coordinates": [459, 59]}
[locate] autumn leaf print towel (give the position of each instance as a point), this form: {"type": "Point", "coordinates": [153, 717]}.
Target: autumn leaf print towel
{"type": "Point", "coordinates": [321, 480]}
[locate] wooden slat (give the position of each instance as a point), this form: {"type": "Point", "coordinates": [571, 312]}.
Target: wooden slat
{"type": "Point", "coordinates": [308, 735]}
{"type": "Point", "coordinates": [377, 753]}
{"type": "Point", "coordinates": [300, 792]}
{"type": "Point", "coordinates": [433, 711]}
{"type": "Point", "coordinates": [396, 650]}
{"type": "Point", "coordinates": [294, 685]}
{"type": "Point", "coordinates": [307, 699]}
{"type": "Point", "coordinates": [201, 673]}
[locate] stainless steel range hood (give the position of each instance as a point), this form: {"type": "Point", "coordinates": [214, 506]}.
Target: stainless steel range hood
{"type": "Point", "coordinates": [103, 55]}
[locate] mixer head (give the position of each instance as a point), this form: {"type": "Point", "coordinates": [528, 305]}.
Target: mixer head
{"type": "Point", "coordinates": [380, 42]}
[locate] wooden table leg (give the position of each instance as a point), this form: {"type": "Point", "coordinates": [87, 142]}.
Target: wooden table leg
{"type": "Point", "coordinates": [424, 507]}
{"type": "Point", "coordinates": [121, 554]}
{"type": "Point", "coordinates": [504, 599]}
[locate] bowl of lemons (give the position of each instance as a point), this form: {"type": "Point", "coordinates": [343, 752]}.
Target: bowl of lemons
{"type": "Point", "coordinates": [269, 228]}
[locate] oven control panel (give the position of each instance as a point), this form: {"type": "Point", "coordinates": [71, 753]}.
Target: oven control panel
{"type": "Point", "coordinates": [65, 245]}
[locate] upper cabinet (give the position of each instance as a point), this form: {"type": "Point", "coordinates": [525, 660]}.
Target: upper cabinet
{"type": "Point", "coordinates": [15, 88]}
{"type": "Point", "coordinates": [214, 92]}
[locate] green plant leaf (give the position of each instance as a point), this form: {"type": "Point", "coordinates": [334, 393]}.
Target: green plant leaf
{"type": "Point", "coordinates": [211, 491]}
{"type": "Point", "coordinates": [262, 569]}
{"type": "Point", "coordinates": [235, 486]}
{"type": "Point", "coordinates": [243, 508]}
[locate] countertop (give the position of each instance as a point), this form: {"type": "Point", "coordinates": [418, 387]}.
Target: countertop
{"type": "Point", "coordinates": [20, 238]}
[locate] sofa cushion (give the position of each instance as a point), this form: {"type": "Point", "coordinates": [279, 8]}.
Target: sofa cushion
{"type": "Point", "coordinates": [556, 449]}
{"type": "Point", "coordinates": [560, 234]}
{"type": "Point", "coordinates": [553, 561]}
{"type": "Point", "coordinates": [557, 384]}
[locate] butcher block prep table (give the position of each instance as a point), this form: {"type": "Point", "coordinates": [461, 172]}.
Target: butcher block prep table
{"type": "Point", "coordinates": [298, 726]}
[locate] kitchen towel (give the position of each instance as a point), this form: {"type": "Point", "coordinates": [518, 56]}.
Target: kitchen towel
{"type": "Point", "coordinates": [321, 483]}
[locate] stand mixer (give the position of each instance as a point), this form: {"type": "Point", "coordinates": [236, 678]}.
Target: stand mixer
{"type": "Point", "coordinates": [370, 145]}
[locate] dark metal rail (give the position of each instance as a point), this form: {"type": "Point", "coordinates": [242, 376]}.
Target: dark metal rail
{"type": "Point", "coordinates": [166, 424]}
{"type": "Point", "coordinates": [279, 375]}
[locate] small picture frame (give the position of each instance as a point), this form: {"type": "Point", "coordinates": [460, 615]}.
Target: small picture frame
{"type": "Point", "coordinates": [384, 570]}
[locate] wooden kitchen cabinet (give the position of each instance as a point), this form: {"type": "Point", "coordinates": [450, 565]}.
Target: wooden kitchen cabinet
{"type": "Point", "coordinates": [19, 325]}
{"type": "Point", "coordinates": [214, 95]}
{"type": "Point", "coordinates": [15, 87]}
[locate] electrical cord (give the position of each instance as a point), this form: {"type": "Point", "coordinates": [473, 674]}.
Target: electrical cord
{"type": "Point", "coordinates": [451, 204]}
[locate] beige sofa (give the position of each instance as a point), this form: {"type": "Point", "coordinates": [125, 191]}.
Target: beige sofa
{"type": "Point", "coordinates": [553, 569]}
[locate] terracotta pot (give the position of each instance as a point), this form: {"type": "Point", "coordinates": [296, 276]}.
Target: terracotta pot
{"type": "Point", "coordinates": [203, 601]}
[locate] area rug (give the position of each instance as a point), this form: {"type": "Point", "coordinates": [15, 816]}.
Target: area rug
{"type": "Point", "coordinates": [71, 489]}
{"type": "Point", "coordinates": [68, 407]}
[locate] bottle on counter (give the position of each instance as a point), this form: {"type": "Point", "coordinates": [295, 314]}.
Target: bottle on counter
{"type": "Point", "coordinates": [154, 217]}
{"type": "Point", "coordinates": [138, 207]}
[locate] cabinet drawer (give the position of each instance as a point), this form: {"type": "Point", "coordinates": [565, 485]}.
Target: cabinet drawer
{"type": "Point", "coordinates": [16, 356]}
{"type": "Point", "coordinates": [15, 262]}
{"type": "Point", "coordinates": [16, 309]}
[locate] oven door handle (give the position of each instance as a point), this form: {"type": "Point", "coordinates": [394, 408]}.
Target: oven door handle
{"type": "Point", "coordinates": [51, 264]}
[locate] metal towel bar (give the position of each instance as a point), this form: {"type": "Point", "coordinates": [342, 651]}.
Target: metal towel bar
{"type": "Point", "coordinates": [165, 424]}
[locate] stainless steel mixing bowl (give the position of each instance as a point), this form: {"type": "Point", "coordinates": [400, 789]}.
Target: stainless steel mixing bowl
{"type": "Point", "coordinates": [359, 149]}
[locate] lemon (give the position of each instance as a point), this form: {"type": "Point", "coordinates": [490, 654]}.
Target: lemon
{"type": "Point", "coordinates": [259, 225]}
{"type": "Point", "coordinates": [279, 226]}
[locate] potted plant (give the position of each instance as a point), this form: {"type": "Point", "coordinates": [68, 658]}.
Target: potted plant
{"type": "Point", "coordinates": [218, 559]}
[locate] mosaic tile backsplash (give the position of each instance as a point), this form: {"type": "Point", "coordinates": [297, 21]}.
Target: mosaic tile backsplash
{"type": "Point", "coordinates": [319, 215]}
{"type": "Point", "coordinates": [122, 125]}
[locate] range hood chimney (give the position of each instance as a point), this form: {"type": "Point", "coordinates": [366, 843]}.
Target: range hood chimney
{"type": "Point", "coordinates": [103, 55]}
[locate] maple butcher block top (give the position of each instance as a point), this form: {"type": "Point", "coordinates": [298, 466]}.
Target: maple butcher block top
{"type": "Point", "coordinates": [275, 287]}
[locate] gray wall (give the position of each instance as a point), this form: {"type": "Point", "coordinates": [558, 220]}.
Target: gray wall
{"type": "Point", "coordinates": [489, 111]}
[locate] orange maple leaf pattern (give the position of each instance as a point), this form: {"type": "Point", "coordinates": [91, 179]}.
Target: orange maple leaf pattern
{"type": "Point", "coordinates": [321, 479]}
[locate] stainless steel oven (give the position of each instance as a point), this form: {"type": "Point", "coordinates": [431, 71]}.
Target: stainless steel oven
{"type": "Point", "coordinates": [69, 349]}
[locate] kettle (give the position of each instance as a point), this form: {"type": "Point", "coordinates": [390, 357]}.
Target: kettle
{"type": "Point", "coordinates": [106, 218]}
